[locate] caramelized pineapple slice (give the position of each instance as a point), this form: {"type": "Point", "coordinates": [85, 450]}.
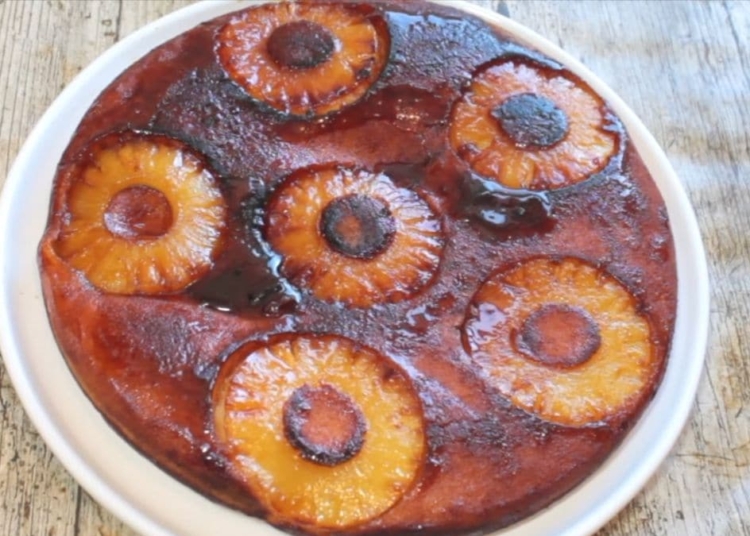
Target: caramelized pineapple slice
{"type": "Point", "coordinates": [532, 128]}
{"type": "Point", "coordinates": [324, 432]}
{"type": "Point", "coordinates": [145, 216]}
{"type": "Point", "coordinates": [353, 236]}
{"type": "Point", "coordinates": [563, 340]}
{"type": "Point", "coordinates": [305, 59]}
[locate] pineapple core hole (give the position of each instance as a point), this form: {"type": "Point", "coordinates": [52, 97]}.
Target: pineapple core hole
{"type": "Point", "coordinates": [357, 226]}
{"type": "Point", "coordinates": [559, 335]}
{"type": "Point", "coordinates": [324, 424]}
{"type": "Point", "coordinates": [301, 45]}
{"type": "Point", "coordinates": [138, 212]}
{"type": "Point", "coordinates": [531, 121]}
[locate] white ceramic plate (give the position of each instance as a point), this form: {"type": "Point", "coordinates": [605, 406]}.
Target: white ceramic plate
{"type": "Point", "coordinates": [152, 502]}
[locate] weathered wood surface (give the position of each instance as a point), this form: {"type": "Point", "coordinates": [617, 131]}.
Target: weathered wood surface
{"type": "Point", "coordinates": [684, 67]}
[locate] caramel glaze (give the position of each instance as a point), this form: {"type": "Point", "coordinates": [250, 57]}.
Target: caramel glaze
{"type": "Point", "coordinates": [148, 363]}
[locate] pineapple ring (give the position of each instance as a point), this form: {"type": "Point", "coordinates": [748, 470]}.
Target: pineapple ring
{"type": "Point", "coordinates": [531, 128]}
{"type": "Point", "coordinates": [251, 402]}
{"type": "Point", "coordinates": [305, 59]}
{"type": "Point", "coordinates": [610, 364]}
{"type": "Point", "coordinates": [145, 215]}
{"type": "Point", "coordinates": [359, 266]}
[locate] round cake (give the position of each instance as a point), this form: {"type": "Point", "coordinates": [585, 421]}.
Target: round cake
{"type": "Point", "coordinates": [360, 268]}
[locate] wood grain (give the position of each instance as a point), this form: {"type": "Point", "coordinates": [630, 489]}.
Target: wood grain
{"type": "Point", "coordinates": [683, 66]}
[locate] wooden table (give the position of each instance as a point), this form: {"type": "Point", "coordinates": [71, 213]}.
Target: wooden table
{"type": "Point", "coordinates": [683, 66]}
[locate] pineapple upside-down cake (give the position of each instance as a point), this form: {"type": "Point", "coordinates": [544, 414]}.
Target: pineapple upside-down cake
{"type": "Point", "coordinates": [360, 268]}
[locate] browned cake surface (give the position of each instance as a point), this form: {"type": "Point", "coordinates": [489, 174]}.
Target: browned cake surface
{"type": "Point", "coordinates": [419, 293]}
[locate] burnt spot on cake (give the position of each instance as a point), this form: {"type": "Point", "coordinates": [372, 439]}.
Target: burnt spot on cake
{"type": "Point", "coordinates": [559, 335]}
{"type": "Point", "coordinates": [532, 121]}
{"type": "Point", "coordinates": [358, 226]}
{"type": "Point", "coordinates": [138, 212]}
{"type": "Point", "coordinates": [324, 424]}
{"type": "Point", "coordinates": [301, 45]}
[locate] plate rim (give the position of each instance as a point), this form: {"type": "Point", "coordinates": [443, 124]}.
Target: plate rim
{"type": "Point", "coordinates": [692, 281]}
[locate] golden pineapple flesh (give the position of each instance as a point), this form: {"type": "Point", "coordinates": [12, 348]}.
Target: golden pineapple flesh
{"type": "Point", "coordinates": [325, 432]}
{"type": "Point", "coordinates": [563, 340]}
{"type": "Point", "coordinates": [353, 236]}
{"type": "Point", "coordinates": [305, 59]}
{"type": "Point", "coordinates": [145, 216]}
{"type": "Point", "coordinates": [531, 128]}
